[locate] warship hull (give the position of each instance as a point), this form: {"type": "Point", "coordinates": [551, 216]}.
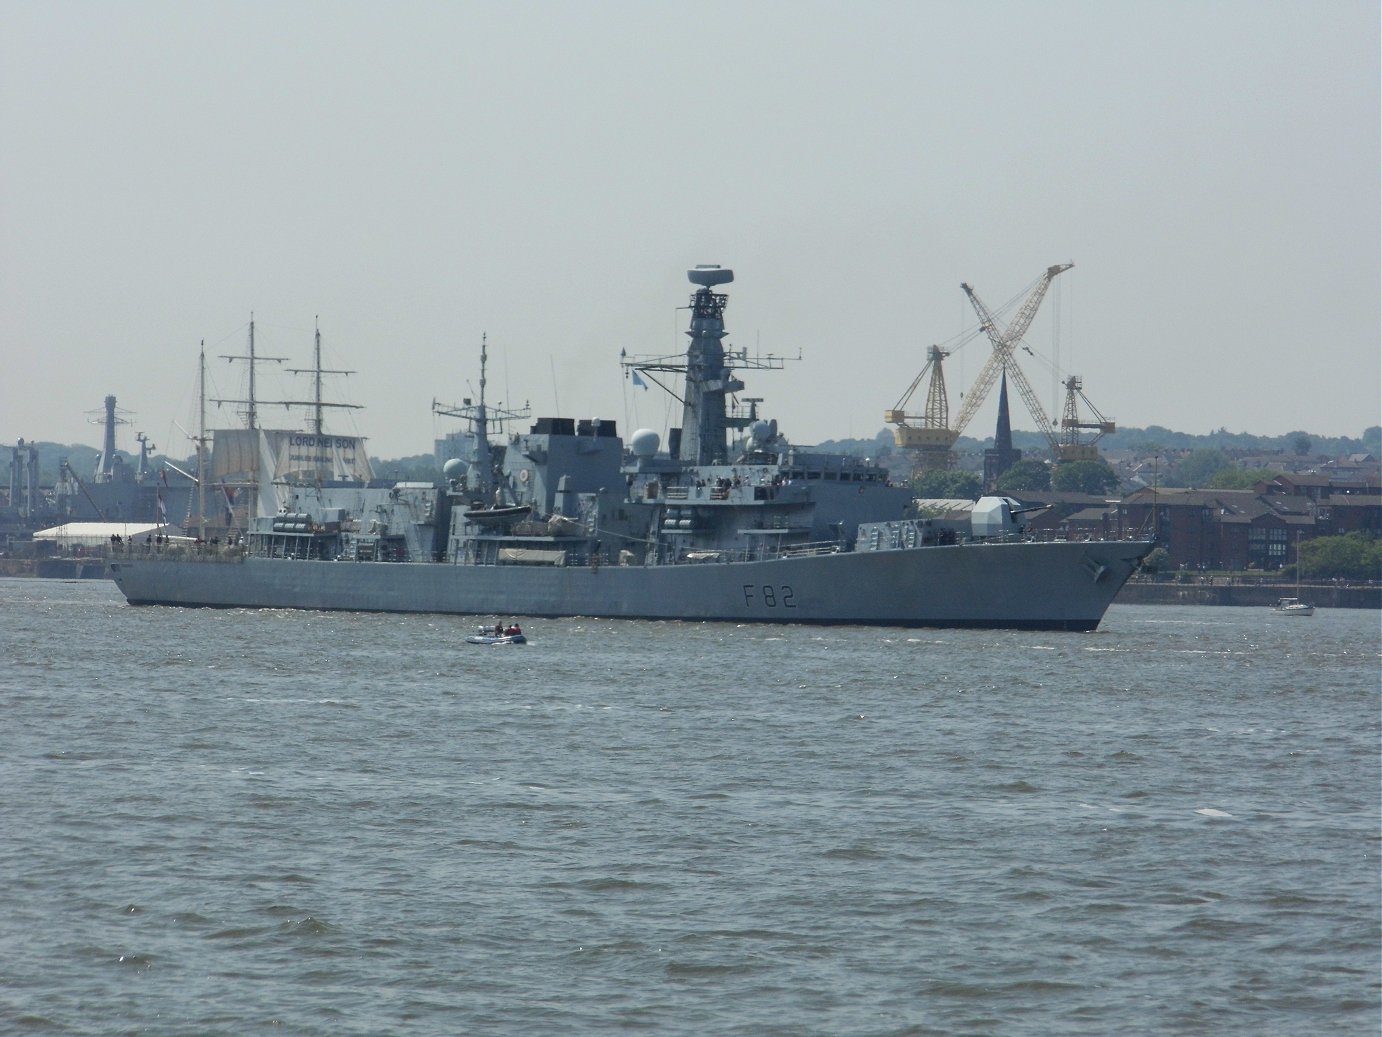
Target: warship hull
{"type": "Point", "coordinates": [731, 522]}
{"type": "Point", "coordinates": [1021, 584]}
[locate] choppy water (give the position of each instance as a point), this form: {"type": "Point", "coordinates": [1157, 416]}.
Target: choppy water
{"type": "Point", "coordinates": [234, 822]}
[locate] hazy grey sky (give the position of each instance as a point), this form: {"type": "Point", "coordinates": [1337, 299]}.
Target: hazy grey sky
{"type": "Point", "coordinates": [417, 174]}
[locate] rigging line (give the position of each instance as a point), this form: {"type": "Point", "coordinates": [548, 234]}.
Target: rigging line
{"type": "Point", "coordinates": [507, 394]}
{"type": "Point", "coordinates": [624, 393]}
{"type": "Point", "coordinates": [238, 331]}
{"type": "Point", "coordinates": [998, 311]}
{"type": "Point", "coordinates": [961, 339]}
{"type": "Point", "coordinates": [1055, 347]}
{"type": "Point", "coordinates": [601, 532]}
{"type": "Point", "coordinates": [664, 388]}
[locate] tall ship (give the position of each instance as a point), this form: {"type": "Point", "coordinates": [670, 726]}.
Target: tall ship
{"type": "Point", "coordinates": [729, 521]}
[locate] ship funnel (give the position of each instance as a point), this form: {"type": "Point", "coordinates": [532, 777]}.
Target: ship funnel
{"type": "Point", "coordinates": [708, 276]}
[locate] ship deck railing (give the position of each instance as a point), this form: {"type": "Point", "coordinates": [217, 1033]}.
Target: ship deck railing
{"type": "Point", "coordinates": [176, 552]}
{"type": "Point", "coordinates": [761, 553]}
{"type": "Point", "coordinates": [820, 547]}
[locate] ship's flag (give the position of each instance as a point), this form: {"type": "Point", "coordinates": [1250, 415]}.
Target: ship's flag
{"type": "Point", "coordinates": [639, 381]}
{"type": "Point", "coordinates": [162, 509]}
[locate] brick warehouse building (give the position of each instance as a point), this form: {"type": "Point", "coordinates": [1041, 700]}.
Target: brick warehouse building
{"type": "Point", "coordinates": [1251, 529]}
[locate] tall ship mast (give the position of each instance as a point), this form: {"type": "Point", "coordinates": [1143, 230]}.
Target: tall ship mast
{"type": "Point", "coordinates": [316, 403]}
{"type": "Point", "coordinates": [260, 470]}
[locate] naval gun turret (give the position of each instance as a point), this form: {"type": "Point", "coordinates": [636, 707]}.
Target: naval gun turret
{"type": "Point", "coordinates": [1000, 517]}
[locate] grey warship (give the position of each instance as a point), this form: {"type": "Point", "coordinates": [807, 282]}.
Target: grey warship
{"type": "Point", "coordinates": [730, 522]}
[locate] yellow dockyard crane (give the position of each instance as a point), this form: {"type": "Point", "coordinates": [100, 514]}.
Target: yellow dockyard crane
{"type": "Point", "coordinates": [1071, 446]}
{"type": "Point", "coordinates": [1066, 445]}
{"type": "Point", "coordinates": [929, 435]}
{"type": "Point", "coordinates": [933, 438]}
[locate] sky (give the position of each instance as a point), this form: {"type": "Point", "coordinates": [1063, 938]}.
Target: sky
{"type": "Point", "coordinates": [413, 176]}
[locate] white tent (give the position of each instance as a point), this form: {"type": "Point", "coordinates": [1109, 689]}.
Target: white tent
{"type": "Point", "coordinates": [95, 534]}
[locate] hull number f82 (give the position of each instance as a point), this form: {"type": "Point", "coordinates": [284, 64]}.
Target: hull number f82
{"type": "Point", "coordinates": [768, 596]}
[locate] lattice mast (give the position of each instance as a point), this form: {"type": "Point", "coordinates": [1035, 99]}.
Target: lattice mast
{"type": "Point", "coordinates": [480, 477]}
{"type": "Point", "coordinates": [105, 464]}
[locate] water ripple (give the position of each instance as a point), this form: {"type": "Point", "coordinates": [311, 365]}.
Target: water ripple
{"type": "Point", "coordinates": [1170, 825]}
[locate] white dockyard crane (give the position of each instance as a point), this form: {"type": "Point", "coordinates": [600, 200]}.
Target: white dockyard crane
{"type": "Point", "coordinates": [1004, 340]}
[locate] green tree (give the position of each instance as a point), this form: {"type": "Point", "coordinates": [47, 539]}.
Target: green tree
{"type": "Point", "coordinates": [1025, 475]}
{"type": "Point", "coordinates": [1239, 478]}
{"type": "Point", "coordinates": [1300, 443]}
{"type": "Point", "coordinates": [1094, 477]}
{"type": "Point", "coordinates": [1159, 560]}
{"type": "Point", "coordinates": [948, 485]}
{"type": "Point", "coordinates": [1199, 466]}
{"type": "Point", "coordinates": [1355, 556]}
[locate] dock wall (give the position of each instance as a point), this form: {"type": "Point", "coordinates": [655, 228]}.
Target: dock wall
{"type": "Point", "coordinates": [1219, 591]}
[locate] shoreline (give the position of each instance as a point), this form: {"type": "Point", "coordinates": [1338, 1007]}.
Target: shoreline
{"type": "Point", "coordinates": [1211, 590]}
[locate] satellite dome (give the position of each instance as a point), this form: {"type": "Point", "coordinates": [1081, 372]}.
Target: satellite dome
{"type": "Point", "coordinates": [453, 468]}
{"type": "Point", "coordinates": [644, 443]}
{"type": "Point", "coordinates": [762, 431]}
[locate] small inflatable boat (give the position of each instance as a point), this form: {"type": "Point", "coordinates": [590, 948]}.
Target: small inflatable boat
{"type": "Point", "coordinates": [491, 638]}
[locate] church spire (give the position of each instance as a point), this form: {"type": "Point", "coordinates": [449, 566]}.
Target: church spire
{"type": "Point", "coordinates": [1002, 456]}
{"type": "Point", "coordinates": [1003, 435]}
